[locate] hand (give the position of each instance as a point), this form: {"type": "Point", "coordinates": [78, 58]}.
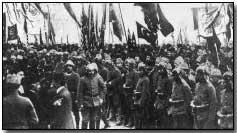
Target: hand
{"type": "Point", "coordinates": [101, 101]}
{"type": "Point", "coordinates": [58, 102]}
{"type": "Point", "coordinates": [81, 107]}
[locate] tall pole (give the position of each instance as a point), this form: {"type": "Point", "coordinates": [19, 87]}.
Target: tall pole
{"type": "Point", "coordinates": [123, 23]}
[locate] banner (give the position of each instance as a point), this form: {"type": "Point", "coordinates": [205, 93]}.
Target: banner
{"type": "Point", "coordinates": [216, 18]}
{"type": "Point", "coordinates": [12, 32]}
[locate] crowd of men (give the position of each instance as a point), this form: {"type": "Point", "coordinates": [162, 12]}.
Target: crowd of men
{"type": "Point", "coordinates": [173, 86]}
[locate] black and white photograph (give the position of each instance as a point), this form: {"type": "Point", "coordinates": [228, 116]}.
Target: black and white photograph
{"type": "Point", "coordinates": [141, 65]}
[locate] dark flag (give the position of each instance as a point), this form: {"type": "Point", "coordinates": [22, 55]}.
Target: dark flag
{"type": "Point", "coordinates": [41, 40]}
{"type": "Point", "coordinates": [51, 33]}
{"type": "Point", "coordinates": [165, 27]}
{"type": "Point", "coordinates": [150, 15]}
{"type": "Point", "coordinates": [4, 27]}
{"type": "Point", "coordinates": [134, 44]}
{"type": "Point", "coordinates": [67, 40]}
{"type": "Point", "coordinates": [12, 32]}
{"type": "Point", "coordinates": [129, 43]}
{"type": "Point", "coordinates": [103, 26]}
{"type": "Point", "coordinates": [25, 22]}
{"type": "Point", "coordinates": [146, 34]}
{"type": "Point", "coordinates": [72, 14]}
{"type": "Point", "coordinates": [91, 37]}
{"type": "Point", "coordinates": [213, 45]}
{"type": "Point", "coordinates": [117, 26]}
{"type": "Point", "coordinates": [84, 30]}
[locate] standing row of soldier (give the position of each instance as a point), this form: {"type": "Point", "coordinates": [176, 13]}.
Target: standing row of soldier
{"type": "Point", "coordinates": [169, 90]}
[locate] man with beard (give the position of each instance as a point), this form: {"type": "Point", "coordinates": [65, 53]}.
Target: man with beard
{"type": "Point", "coordinates": [205, 101]}
{"type": "Point", "coordinates": [180, 101]}
{"type": "Point", "coordinates": [142, 97]}
{"type": "Point", "coordinates": [225, 112]}
{"type": "Point", "coordinates": [114, 89]}
{"type": "Point", "coordinates": [72, 83]}
{"type": "Point", "coordinates": [91, 96]}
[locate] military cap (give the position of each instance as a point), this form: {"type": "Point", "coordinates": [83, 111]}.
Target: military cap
{"type": "Point", "coordinates": [69, 62]}
{"type": "Point", "coordinates": [13, 79]}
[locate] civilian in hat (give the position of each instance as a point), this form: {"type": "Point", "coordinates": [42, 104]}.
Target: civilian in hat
{"type": "Point", "coordinates": [72, 83]}
{"type": "Point", "coordinates": [18, 111]}
{"type": "Point", "coordinates": [62, 104]}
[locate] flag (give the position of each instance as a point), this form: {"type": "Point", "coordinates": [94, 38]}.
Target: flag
{"type": "Point", "coordinates": [195, 18]}
{"type": "Point", "coordinates": [150, 15]}
{"type": "Point", "coordinates": [129, 43]}
{"type": "Point", "coordinates": [85, 28]}
{"type": "Point", "coordinates": [146, 34]}
{"type": "Point", "coordinates": [180, 38]}
{"type": "Point", "coordinates": [134, 44]}
{"type": "Point", "coordinates": [155, 19]}
{"type": "Point", "coordinates": [72, 14]}
{"type": "Point", "coordinates": [4, 27]}
{"type": "Point", "coordinates": [67, 40]}
{"type": "Point", "coordinates": [165, 26]}
{"type": "Point", "coordinates": [51, 33]}
{"type": "Point", "coordinates": [36, 40]}
{"type": "Point", "coordinates": [12, 32]}
{"type": "Point", "coordinates": [214, 18]}
{"type": "Point", "coordinates": [37, 5]}
{"type": "Point", "coordinates": [91, 36]}
{"type": "Point", "coordinates": [116, 22]}
{"type": "Point", "coordinates": [41, 40]}
{"type": "Point", "coordinates": [103, 26]}
{"type": "Point", "coordinates": [213, 45]}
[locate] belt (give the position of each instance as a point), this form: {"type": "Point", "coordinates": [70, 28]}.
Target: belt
{"type": "Point", "coordinates": [221, 115]}
{"type": "Point", "coordinates": [176, 103]}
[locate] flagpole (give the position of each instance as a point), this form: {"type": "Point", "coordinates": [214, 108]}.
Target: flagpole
{"type": "Point", "coordinates": [123, 23]}
{"type": "Point", "coordinates": [48, 26]}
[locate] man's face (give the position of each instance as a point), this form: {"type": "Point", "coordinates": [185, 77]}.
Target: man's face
{"type": "Point", "coordinates": [20, 76]}
{"type": "Point", "coordinates": [69, 68]}
{"type": "Point", "coordinates": [200, 77]}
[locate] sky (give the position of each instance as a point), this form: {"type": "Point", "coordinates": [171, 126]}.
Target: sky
{"type": "Point", "coordinates": [178, 14]}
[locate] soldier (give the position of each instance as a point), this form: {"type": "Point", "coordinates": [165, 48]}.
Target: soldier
{"type": "Point", "coordinates": [72, 83]}
{"type": "Point", "coordinates": [120, 66]}
{"type": "Point", "coordinates": [18, 111]}
{"type": "Point", "coordinates": [114, 89]}
{"type": "Point", "coordinates": [180, 101]}
{"type": "Point", "coordinates": [142, 96]}
{"type": "Point", "coordinates": [225, 112]}
{"type": "Point", "coordinates": [205, 101]}
{"type": "Point", "coordinates": [163, 92]}
{"type": "Point", "coordinates": [131, 79]}
{"type": "Point", "coordinates": [91, 96]}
